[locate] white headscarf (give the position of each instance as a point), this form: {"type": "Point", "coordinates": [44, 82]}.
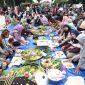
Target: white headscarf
{"type": "Point", "coordinates": [81, 38]}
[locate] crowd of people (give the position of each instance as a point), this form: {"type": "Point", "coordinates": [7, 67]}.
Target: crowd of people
{"type": "Point", "coordinates": [68, 22]}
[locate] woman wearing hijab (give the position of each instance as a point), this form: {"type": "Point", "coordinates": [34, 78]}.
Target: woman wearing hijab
{"type": "Point", "coordinates": [74, 47]}
{"type": "Point", "coordinates": [81, 56]}
{"type": "Point", "coordinates": [17, 34]}
{"type": "Point", "coordinates": [65, 37]}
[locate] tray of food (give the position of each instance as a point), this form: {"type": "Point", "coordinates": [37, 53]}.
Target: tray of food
{"type": "Point", "coordinates": [55, 75]}
{"type": "Point", "coordinates": [53, 44]}
{"type": "Point", "coordinates": [38, 32]}
{"type": "Point", "coordinates": [32, 54]}
{"type": "Point", "coordinates": [67, 63]}
{"type": "Point", "coordinates": [42, 38]}
{"type": "Point", "coordinates": [42, 42]}
{"type": "Point", "coordinates": [30, 70]}
{"type": "Point", "coordinates": [59, 54]}
{"type": "Point", "coordinates": [50, 63]}
{"type": "Point", "coordinates": [15, 61]}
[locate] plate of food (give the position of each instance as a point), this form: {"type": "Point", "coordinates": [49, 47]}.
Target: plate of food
{"type": "Point", "coordinates": [55, 75]}
{"type": "Point", "coordinates": [55, 38]}
{"type": "Point", "coordinates": [53, 44]}
{"type": "Point", "coordinates": [38, 32]}
{"type": "Point", "coordinates": [15, 61]}
{"type": "Point", "coordinates": [75, 80]}
{"type": "Point", "coordinates": [52, 35]}
{"type": "Point", "coordinates": [50, 63]}
{"type": "Point", "coordinates": [42, 38]}
{"type": "Point", "coordinates": [59, 54]}
{"type": "Point", "coordinates": [42, 42]}
{"type": "Point", "coordinates": [67, 63]}
{"type": "Point", "coordinates": [27, 71]}
{"type": "Point", "coordinates": [32, 54]}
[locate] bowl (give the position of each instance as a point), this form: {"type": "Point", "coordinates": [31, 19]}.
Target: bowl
{"type": "Point", "coordinates": [55, 75]}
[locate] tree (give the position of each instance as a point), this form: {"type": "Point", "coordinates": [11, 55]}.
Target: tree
{"type": "Point", "coordinates": [38, 0]}
{"type": "Point", "coordinates": [9, 2]}
{"type": "Point", "coordinates": [1, 3]}
{"type": "Point", "coordinates": [59, 1]}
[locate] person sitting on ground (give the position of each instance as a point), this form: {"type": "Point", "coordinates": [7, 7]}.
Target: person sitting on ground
{"type": "Point", "coordinates": [44, 20]}
{"type": "Point", "coordinates": [16, 33]}
{"type": "Point", "coordinates": [73, 47]}
{"type": "Point", "coordinates": [80, 57]}
{"type": "Point", "coordinates": [4, 43]}
{"type": "Point", "coordinates": [4, 49]}
{"type": "Point", "coordinates": [65, 36]}
{"type": "Point", "coordinates": [37, 21]}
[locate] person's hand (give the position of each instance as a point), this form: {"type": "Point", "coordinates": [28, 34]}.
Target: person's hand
{"type": "Point", "coordinates": [77, 69]}
{"type": "Point", "coordinates": [1, 71]}
{"type": "Point", "coordinates": [7, 62]}
{"type": "Point", "coordinates": [6, 53]}
{"type": "Point", "coordinates": [24, 42]}
{"type": "Point", "coordinates": [70, 59]}
{"type": "Point", "coordinates": [63, 48]}
{"type": "Point", "coordinates": [18, 51]}
{"type": "Point", "coordinates": [11, 52]}
{"type": "Point", "coordinates": [14, 48]}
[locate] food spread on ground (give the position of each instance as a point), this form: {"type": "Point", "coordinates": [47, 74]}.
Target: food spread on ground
{"type": "Point", "coordinates": [42, 42]}
{"type": "Point", "coordinates": [18, 72]}
{"type": "Point", "coordinates": [15, 61]}
{"type": "Point", "coordinates": [55, 75]}
{"type": "Point", "coordinates": [54, 44]}
{"type": "Point", "coordinates": [67, 63]}
{"type": "Point", "coordinates": [39, 59]}
{"type": "Point", "coordinates": [32, 54]}
{"type": "Point", "coordinates": [59, 54]}
{"type": "Point", "coordinates": [40, 31]}
{"type": "Point", "coordinates": [42, 38]}
{"type": "Point", "coordinates": [51, 63]}
{"type": "Point", "coordinates": [75, 80]}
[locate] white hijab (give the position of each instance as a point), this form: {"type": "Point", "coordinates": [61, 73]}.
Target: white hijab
{"type": "Point", "coordinates": [81, 38]}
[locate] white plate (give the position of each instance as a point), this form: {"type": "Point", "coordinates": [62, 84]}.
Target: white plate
{"type": "Point", "coordinates": [55, 38]}
{"type": "Point", "coordinates": [18, 51]}
{"type": "Point", "coordinates": [42, 42]}
{"type": "Point", "coordinates": [43, 53]}
{"type": "Point", "coordinates": [59, 54]}
{"type": "Point", "coordinates": [17, 55]}
{"type": "Point", "coordinates": [54, 44]}
{"type": "Point", "coordinates": [42, 38]}
{"type": "Point", "coordinates": [55, 75]}
{"type": "Point", "coordinates": [15, 61]}
{"type": "Point", "coordinates": [67, 64]}
{"type": "Point", "coordinates": [75, 80]}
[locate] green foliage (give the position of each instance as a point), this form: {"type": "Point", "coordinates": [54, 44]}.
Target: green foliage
{"type": "Point", "coordinates": [17, 2]}
{"type": "Point", "coordinates": [1, 3]}
{"type": "Point", "coordinates": [59, 1]}
{"type": "Point", "coordinates": [38, 0]}
{"type": "Point", "coordinates": [74, 1]}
